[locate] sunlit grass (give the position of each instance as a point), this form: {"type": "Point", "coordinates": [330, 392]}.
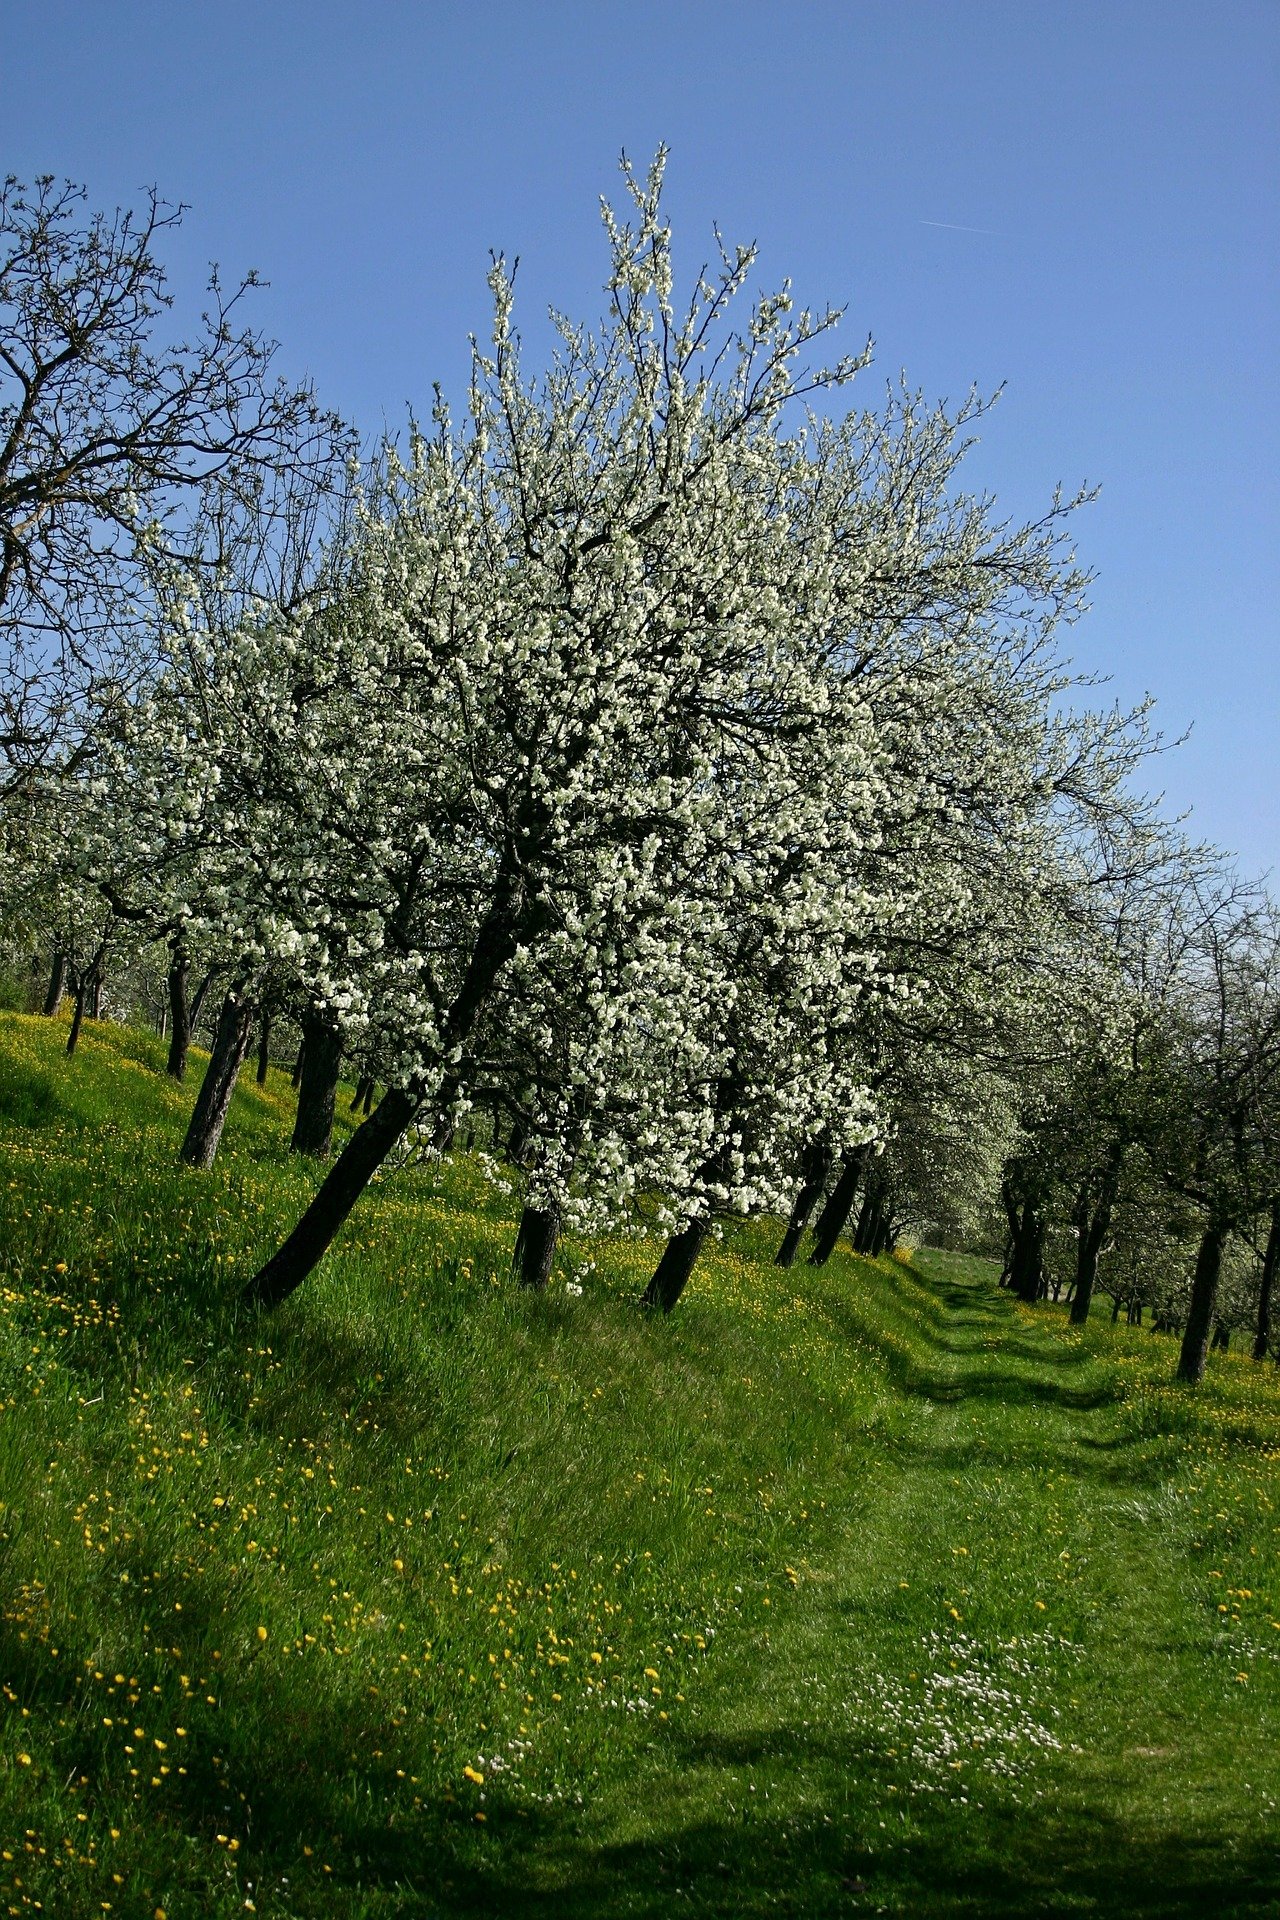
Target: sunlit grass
{"type": "Point", "coordinates": [857, 1590]}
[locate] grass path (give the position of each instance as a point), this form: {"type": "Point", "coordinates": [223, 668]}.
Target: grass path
{"type": "Point", "coordinates": [853, 1591]}
{"type": "Point", "coordinates": [793, 1800]}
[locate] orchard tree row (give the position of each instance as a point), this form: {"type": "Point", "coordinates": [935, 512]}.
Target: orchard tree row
{"type": "Point", "coordinates": [662, 769]}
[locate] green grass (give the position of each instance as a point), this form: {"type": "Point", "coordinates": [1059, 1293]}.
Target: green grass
{"type": "Point", "coordinates": [860, 1591]}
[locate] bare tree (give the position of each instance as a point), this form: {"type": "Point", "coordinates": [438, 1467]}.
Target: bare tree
{"type": "Point", "coordinates": [120, 456]}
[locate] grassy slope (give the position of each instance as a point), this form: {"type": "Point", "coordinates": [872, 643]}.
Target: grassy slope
{"type": "Point", "coordinates": [860, 1591]}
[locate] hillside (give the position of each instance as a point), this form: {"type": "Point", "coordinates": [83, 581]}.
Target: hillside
{"type": "Point", "coordinates": [860, 1590]}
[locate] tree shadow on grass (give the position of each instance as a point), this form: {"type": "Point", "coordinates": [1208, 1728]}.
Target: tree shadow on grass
{"type": "Point", "coordinates": [994, 1381]}
{"type": "Point", "coordinates": [323, 1776]}
{"type": "Point", "coordinates": [979, 1863]}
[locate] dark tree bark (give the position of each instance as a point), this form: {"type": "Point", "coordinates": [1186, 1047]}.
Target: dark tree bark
{"type": "Point", "coordinates": [202, 992]}
{"type": "Point", "coordinates": [835, 1214]}
{"type": "Point", "coordinates": [361, 1093]}
{"type": "Point", "coordinates": [814, 1174]}
{"type": "Point", "coordinates": [1026, 1273]}
{"type": "Point", "coordinates": [1204, 1296]}
{"type": "Point", "coordinates": [1221, 1338]}
{"type": "Point", "coordinates": [1266, 1290]}
{"type": "Point", "coordinates": [1093, 1224]}
{"type": "Point", "coordinates": [96, 984]}
{"type": "Point", "coordinates": [208, 1116]}
{"type": "Point", "coordinates": [77, 1017]}
{"type": "Point", "coordinates": [497, 939]}
{"type": "Point", "coordinates": [180, 1033]}
{"type": "Point", "coordinates": [264, 1047]}
{"type": "Point", "coordinates": [671, 1275]}
{"type": "Point", "coordinates": [57, 983]}
{"type": "Point", "coordinates": [370, 1088]}
{"type": "Point", "coordinates": [536, 1245]}
{"type": "Point", "coordinates": [342, 1186]}
{"type": "Point", "coordinates": [1115, 1308]}
{"type": "Point", "coordinates": [884, 1234]}
{"type": "Point", "coordinates": [869, 1216]}
{"type": "Point", "coordinates": [299, 1065]}
{"type": "Point", "coordinates": [321, 1062]}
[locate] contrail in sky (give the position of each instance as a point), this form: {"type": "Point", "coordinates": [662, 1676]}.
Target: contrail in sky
{"type": "Point", "coordinates": [951, 227]}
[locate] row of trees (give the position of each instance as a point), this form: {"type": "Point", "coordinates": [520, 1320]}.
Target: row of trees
{"type": "Point", "coordinates": [667, 760]}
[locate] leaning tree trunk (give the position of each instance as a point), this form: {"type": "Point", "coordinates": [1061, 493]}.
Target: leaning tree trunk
{"type": "Point", "coordinates": [337, 1194]}
{"type": "Point", "coordinates": [208, 1116]}
{"type": "Point", "coordinates": [814, 1174]}
{"type": "Point", "coordinates": [506, 922]}
{"type": "Point", "coordinates": [180, 1033]}
{"type": "Point", "coordinates": [321, 1060]}
{"type": "Point", "coordinates": [201, 994]}
{"type": "Point", "coordinates": [57, 983]}
{"type": "Point", "coordinates": [77, 1016]}
{"type": "Point", "coordinates": [834, 1216]}
{"type": "Point", "coordinates": [679, 1256]}
{"type": "Point", "coordinates": [1204, 1296]}
{"type": "Point", "coordinates": [1270, 1260]}
{"type": "Point", "coordinates": [536, 1245]}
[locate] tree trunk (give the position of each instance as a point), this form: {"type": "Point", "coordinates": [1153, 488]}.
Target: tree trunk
{"type": "Point", "coordinates": [180, 1035]}
{"type": "Point", "coordinates": [1093, 1226]}
{"type": "Point", "coordinates": [299, 1065]}
{"type": "Point", "coordinates": [864, 1236]}
{"type": "Point", "coordinates": [321, 1061]}
{"type": "Point", "coordinates": [814, 1174]}
{"type": "Point", "coordinates": [1027, 1272]}
{"type": "Point", "coordinates": [884, 1234]}
{"type": "Point", "coordinates": [77, 1017]}
{"type": "Point", "coordinates": [370, 1088]}
{"type": "Point", "coordinates": [95, 995]}
{"type": "Point", "coordinates": [1221, 1338]}
{"type": "Point", "coordinates": [201, 994]}
{"type": "Point", "coordinates": [341, 1187]}
{"type": "Point", "coordinates": [1115, 1308]}
{"type": "Point", "coordinates": [832, 1219]}
{"type": "Point", "coordinates": [498, 937]}
{"type": "Point", "coordinates": [1204, 1295]}
{"type": "Point", "coordinates": [264, 1048]}
{"type": "Point", "coordinates": [208, 1116]}
{"type": "Point", "coordinates": [536, 1245]}
{"type": "Point", "coordinates": [1270, 1260]}
{"type": "Point", "coordinates": [57, 984]}
{"type": "Point", "coordinates": [360, 1094]}
{"type": "Point", "coordinates": [671, 1275]}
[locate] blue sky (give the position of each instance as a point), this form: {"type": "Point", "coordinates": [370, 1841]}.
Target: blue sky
{"type": "Point", "coordinates": [1079, 200]}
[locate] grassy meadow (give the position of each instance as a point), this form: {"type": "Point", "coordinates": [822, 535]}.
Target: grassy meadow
{"type": "Point", "coordinates": [864, 1590]}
